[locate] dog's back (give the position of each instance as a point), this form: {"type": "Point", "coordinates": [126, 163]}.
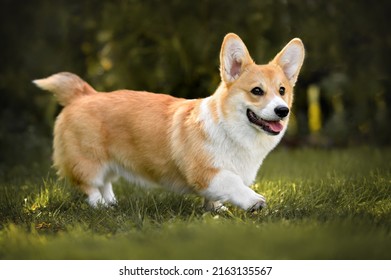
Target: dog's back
{"type": "Point", "coordinates": [138, 135]}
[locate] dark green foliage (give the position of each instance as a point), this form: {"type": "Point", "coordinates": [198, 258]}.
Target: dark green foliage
{"type": "Point", "coordinates": [173, 47]}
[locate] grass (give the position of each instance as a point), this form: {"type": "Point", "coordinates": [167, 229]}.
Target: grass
{"type": "Point", "coordinates": [322, 204]}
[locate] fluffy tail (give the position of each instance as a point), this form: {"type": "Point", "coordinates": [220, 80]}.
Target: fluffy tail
{"type": "Point", "coordinates": [67, 87]}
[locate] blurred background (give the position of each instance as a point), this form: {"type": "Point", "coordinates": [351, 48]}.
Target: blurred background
{"type": "Point", "coordinates": [342, 98]}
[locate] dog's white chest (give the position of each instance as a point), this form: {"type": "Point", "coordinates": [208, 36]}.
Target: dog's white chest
{"type": "Point", "coordinates": [237, 148]}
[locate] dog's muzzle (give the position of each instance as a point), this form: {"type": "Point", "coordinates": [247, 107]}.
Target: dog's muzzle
{"type": "Point", "coordinates": [271, 127]}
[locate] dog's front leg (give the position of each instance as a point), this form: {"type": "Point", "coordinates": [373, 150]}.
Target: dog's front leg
{"type": "Point", "coordinates": [227, 186]}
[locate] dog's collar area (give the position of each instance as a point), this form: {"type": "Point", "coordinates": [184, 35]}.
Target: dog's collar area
{"type": "Point", "coordinates": [271, 127]}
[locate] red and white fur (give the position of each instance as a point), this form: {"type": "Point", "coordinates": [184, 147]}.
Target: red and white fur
{"type": "Point", "coordinates": [212, 146]}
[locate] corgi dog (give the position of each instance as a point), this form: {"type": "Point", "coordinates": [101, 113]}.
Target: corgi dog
{"type": "Point", "coordinates": [212, 146]}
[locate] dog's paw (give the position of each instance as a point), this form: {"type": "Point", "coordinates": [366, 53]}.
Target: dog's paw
{"type": "Point", "coordinates": [214, 206]}
{"type": "Point", "coordinates": [259, 205]}
{"type": "Point", "coordinates": [221, 209]}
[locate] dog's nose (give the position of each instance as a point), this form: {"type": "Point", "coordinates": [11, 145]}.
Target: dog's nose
{"type": "Point", "coordinates": [281, 111]}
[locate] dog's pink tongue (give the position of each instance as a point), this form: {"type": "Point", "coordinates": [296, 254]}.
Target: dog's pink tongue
{"type": "Point", "coordinates": [275, 126]}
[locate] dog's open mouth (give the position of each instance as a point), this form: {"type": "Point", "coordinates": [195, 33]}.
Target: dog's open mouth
{"type": "Point", "coordinates": [272, 127]}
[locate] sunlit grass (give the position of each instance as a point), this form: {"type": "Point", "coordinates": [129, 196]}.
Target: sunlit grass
{"type": "Point", "coordinates": [321, 205]}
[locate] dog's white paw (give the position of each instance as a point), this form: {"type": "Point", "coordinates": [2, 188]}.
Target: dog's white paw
{"type": "Point", "coordinates": [227, 186]}
{"type": "Point", "coordinates": [259, 205]}
{"type": "Point", "coordinates": [215, 206]}
{"type": "Point", "coordinates": [256, 203]}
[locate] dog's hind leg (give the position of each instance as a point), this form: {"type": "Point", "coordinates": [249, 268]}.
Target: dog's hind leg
{"type": "Point", "coordinates": [102, 184]}
{"type": "Point", "coordinates": [95, 197]}
{"type": "Point", "coordinates": [108, 194]}
{"type": "Point", "coordinates": [94, 180]}
{"type": "Point", "coordinates": [99, 194]}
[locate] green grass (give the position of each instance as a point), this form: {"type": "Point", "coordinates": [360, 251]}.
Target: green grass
{"type": "Point", "coordinates": [322, 204]}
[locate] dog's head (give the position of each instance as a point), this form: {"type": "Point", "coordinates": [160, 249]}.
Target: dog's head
{"type": "Point", "coordinates": [259, 95]}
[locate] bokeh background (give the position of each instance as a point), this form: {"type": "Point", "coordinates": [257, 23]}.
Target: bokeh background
{"type": "Point", "coordinates": [343, 95]}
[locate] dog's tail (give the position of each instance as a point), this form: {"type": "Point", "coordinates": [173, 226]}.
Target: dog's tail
{"type": "Point", "coordinates": [67, 87]}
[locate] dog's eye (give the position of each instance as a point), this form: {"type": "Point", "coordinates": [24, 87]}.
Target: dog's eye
{"type": "Point", "coordinates": [257, 91]}
{"type": "Point", "coordinates": [281, 90]}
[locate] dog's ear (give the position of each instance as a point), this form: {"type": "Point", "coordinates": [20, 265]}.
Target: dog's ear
{"type": "Point", "coordinates": [234, 58]}
{"type": "Point", "coordinates": [290, 59]}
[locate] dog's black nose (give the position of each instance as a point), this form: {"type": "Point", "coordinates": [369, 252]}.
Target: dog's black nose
{"type": "Point", "coordinates": [281, 111]}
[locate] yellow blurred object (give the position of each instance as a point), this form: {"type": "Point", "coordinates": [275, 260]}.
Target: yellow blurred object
{"type": "Point", "coordinates": [314, 110]}
{"type": "Point", "coordinates": [106, 63]}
